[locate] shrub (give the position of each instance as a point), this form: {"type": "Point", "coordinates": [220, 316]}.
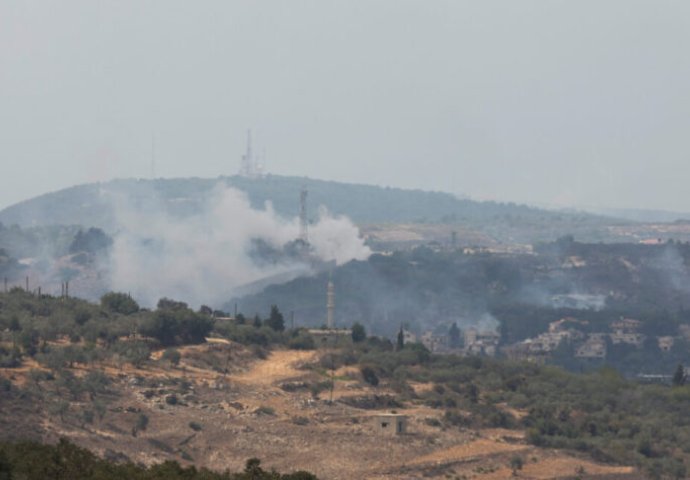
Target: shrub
{"type": "Point", "coordinates": [359, 334]}
{"type": "Point", "coordinates": [265, 410]}
{"type": "Point", "coordinates": [300, 421]}
{"type": "Point", "coordinates": [303, 341]}
{"type": "Point", "coordinates": [172, 355]}
{"type": "Point", "coordinates": [369, 376]}
{"type": "Point", "coordinates": [141, 424]}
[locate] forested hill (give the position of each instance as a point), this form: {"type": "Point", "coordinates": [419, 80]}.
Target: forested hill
{"type": "Point", "coordinates": [93, 204]}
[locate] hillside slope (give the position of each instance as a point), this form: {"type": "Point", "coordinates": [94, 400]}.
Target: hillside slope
{"type": "Point", "coordinates": [94, 204]}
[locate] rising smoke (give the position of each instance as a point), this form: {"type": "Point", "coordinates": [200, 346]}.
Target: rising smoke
{"type": "Point", "coordinates": [203, 258]}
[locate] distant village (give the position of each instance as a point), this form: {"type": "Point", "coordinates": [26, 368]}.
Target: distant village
{"type": "Point", "coordinates": [538, 349]}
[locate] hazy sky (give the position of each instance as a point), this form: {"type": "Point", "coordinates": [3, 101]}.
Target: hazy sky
{"type": "Point", "coordinates": [545, 102]}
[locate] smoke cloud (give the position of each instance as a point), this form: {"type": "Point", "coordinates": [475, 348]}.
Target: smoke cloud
{"type": "Point", "coordinates": [204, 257]}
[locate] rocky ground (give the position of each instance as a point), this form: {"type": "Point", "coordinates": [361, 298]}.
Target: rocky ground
{"type": "Point", "coordinates": [262, 408]}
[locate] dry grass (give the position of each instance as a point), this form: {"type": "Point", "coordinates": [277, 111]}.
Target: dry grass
{"type": "Point", "coordinates": [337, 442]}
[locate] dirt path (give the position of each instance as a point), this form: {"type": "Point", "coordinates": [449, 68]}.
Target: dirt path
{"type": "Point", "coordinates": [280, 365]}
{"type": "Point", "coordinates": [477, 448]}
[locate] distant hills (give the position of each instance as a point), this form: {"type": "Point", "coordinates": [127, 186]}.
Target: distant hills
{"type": "Point", "coordinates": [93, 204]}
{"type": "Point", "coordinates": [643, 215]}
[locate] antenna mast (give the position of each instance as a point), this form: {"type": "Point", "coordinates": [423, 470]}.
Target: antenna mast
{"type": "Point", "coordinates": [303, 225]}
{"type": "Point", "coordinates": [247, 166]}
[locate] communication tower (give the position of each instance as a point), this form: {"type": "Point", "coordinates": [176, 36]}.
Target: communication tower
{"type": "Point", "coordinates": [303, 224]}
{"type": "Point", "coordinates": [250, 166]}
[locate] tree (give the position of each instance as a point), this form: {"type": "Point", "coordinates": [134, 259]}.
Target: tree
{"type": "Point", "coordinates": [99, 409]}
{"type": "Point", "coordinates": [119, 303]}
{"type": "Point", "coordinates": [169, 304]}
{"type": "Point", "coordinates": [516, 464]}
{"type": "Point", "coordinates": [679, 377]}
{"type": "Point", "coordinates": [87, 416]}
{"type": "Point", "coordinates": [91, 241]}
{"type": "Point", "coordinates": [14, 326]}
{"type": "Point", "coordinates": [135, 352]}
{"type": "Point", "coordinates": [401, 339]}
{"type": "Point", "coordinates": [253, 468]}
{"type": "Point", "coordinates": [275, 320]}
{"type": "Point", "coordinates": [172, 326]}
{"type": "Point", "coordinates": [359, 334]}
{"type": "Point", "coordinates": [369, 376]}
{"type": "Point", "coordinates": [454, 335]}
{"type": "Point", "coordinates": [140, 426]}
{"type": "Point", "coordinates": [95, 382]}
{"type": "Point", "coordinates": [59, 408]}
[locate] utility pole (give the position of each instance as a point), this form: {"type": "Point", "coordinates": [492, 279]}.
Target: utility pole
{"type": "Point", "coordinates": [330, 401]}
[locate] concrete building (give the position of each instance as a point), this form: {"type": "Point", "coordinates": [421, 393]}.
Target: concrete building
{"type": "Point", "coordinates": [434, 343]}
{"type": "Point", "coordinates": [391, 424]}
{"type": "Point", "coordinates": [481, 343]}
{"type": "Point", "coordinates": [626, 325]}
{"type": "Point", "coordinates": [665, 343]}
{"type": "Point", "coordinates": [636, 339]}
{"type": "Point", "coordinates": [594, 347]}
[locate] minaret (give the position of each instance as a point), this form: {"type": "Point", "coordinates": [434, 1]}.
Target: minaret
{"type": "Point", "coordinates": [330, 305]}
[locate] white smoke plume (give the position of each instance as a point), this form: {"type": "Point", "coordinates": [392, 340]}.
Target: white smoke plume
{"type": "Point", "coordinates": [204, 257]}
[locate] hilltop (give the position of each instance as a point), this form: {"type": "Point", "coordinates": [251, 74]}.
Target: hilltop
{"type": "Point", "coordinates": [94, 205]}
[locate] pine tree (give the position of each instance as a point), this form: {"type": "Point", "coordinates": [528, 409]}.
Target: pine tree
{"type": "Point", "coordinates": [359, 334]}
{"type": "Point", "coordinates": [454, 335]}
{"type": "Point", "coordinates": [679, 377]}
{"type": "Point", "coordinates": [401, 338]}
{"type": "Point", "coordinates": [275, 320]}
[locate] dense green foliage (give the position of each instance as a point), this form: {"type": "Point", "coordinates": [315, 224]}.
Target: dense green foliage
{"type": "Point", "coordinates": [117, 330]}
{"type": "Point", "coordinates": [93, 240]}
{"type": "Point", "coordinates": [66, 461]}
{"type": "Point", "coordinates": [174, 323]}
{"type": "Point", "coordinates": [119, 303]}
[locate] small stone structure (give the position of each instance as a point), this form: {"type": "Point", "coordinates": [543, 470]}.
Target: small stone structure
{"type": "Point", "coordinates": [391, 424]}
{"type": "Point", "coordinates": [331, 337]}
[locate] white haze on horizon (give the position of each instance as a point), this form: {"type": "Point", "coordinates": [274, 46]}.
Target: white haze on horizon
{"type": "Point", "coordinates": [203, 258]}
